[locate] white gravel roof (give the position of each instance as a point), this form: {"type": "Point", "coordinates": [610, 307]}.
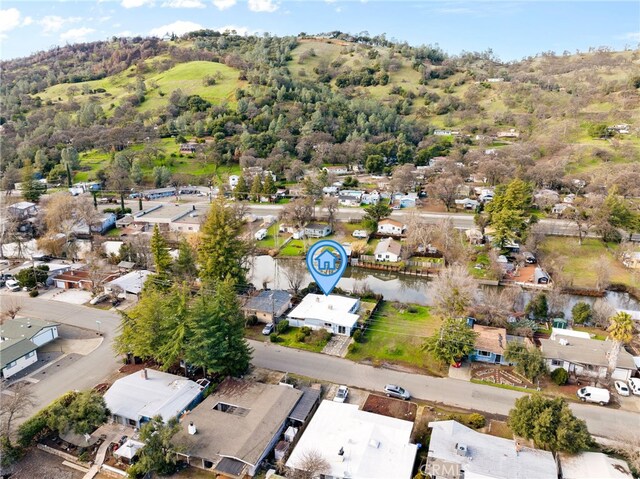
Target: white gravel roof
{"type": "Point", "coordinates": [133, 397]}
{"type": "Point", "coordinates": [332, 309]}
{"type": "Point", "coordinates": [374, 446]}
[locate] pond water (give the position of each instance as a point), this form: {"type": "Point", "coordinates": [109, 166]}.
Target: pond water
{"type": "Point", "coordinates": [394, 287]}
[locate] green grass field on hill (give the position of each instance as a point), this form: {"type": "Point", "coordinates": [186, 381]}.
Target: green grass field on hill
{"type": "Point", "coordinates": [185, 76]}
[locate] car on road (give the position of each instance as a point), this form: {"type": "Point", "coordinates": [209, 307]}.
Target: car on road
{"type": "Point", "coordinates": [634, 385]}
{"type": "Point", "coordinates": [391, 390]}
{"type": "Point", "coordinates": [268, 329]}
{"type": "Point", "coordinates": [621, 388]}
{"type": "Point", "coordinates": [596, 395]}
{"type": "Point", "coordinates": [13, 285]}
{"type": "Point", "coordinates": [341, 395]}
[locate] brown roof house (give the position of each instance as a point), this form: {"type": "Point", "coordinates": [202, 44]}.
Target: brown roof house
{"type": "Point", "coordinates": [236, 427]}
{"type": "Point", "coordinates": [490, 344]}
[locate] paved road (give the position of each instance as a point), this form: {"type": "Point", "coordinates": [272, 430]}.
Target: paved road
{"type": "Point", "coordinates": [602, 421]}
{"type": "Point", "coordinates": [464, 221]}
{"type": "Point", "coordinates": [87, 371]}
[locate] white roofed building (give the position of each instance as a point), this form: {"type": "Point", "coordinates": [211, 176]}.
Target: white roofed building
{"type": "Point", "coordinates": [336, 314]}
{"type": "Point", "coordinates": [457, 452]}
{"type": "Point", "coordinates": [357, 444]}
{"type": "Point", "coordinates": [593, 465]}
{"type": "Point", "coordinates": [130, 283]}
{"type": "Point", "coordinates": [135, 399]}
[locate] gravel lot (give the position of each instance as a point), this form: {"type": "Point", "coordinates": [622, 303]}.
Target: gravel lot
{"type": "Point", "coordinates": [42, 465]}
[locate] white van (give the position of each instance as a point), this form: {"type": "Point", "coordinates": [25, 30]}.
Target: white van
{"type": "Point", "coordinates": [592, 394]}
{"type": "Point", "coordinates": [260, 234]}
{"type": "Point", "coordinates": [634, 385]}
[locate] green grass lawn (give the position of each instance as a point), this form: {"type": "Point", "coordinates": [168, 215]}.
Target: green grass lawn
{"type": "Point", "coordinates": [270, 241]}
{"type": "Point", "coordinates": [598, 333]}
{"type": "Point", "coordinates": [299, 247]}
{"type": "Point", "coordinates": [315, 342]}
{"type": "Point", "coordinates": [396, 334]}
{"type": "Point", "coordinates": [579, 262]}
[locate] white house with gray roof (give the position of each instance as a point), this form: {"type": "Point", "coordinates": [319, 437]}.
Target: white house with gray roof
{"type": "Point", "coordinates": [457, 452]}
{"type": "Point", "coordinates": [19, 340]}
{"type": "Point", "coordinates": [138, 397]}
{"type": "Point", "coordinates": [582, 357]}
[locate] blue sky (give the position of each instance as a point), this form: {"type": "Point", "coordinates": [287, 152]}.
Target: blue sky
{"type": "Point", "coordinates": [512, 29]}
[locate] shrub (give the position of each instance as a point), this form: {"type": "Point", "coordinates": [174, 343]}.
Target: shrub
{"type": "Point", "coordinates": [326, 335]}
{"type": "Point", "coordinates": [282, 327]}
{"type": "Point", "coordinates": [560, 376]}
{"type": "Point", "coordinates": [306, 330]}
{"type": "Point", "coordinates": [412, 309]}
{"type": "Point", "coordinates": [252, 320]}
{"type": "Point", "coordinates": [358, 336]}
{"type": "Point", "coordinates": [273, 337]}
{"type": "Point", "coordinates": [475, 420]}
{"type": "Point", "coordinates": [353, 348]}
{"type": "Point", "coordinates": [33, 293]}
{"type": "Point", "coordinates": [300, 336]}
{"type": "Point", "coordinates": [32, 429]}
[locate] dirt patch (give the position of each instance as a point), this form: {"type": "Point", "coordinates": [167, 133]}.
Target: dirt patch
{"type": "Point", "coordinates": [37, 463]}
{"type": "Point", "coordinates": [390, 407]}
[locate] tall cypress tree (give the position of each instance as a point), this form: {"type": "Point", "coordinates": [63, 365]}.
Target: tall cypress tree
{"type": "Point", "coordinates": [217, 341]}
{"type": "Point", "coordinates": [223, 253]}
{"type": "Point", "coordinates": [161, 257]}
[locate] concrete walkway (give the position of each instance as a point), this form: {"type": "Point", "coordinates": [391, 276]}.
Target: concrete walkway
{"type": "Point", "coordinates": [337, 346]}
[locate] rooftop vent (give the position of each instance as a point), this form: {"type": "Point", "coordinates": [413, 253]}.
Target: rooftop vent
{"type": "Point", "coordinates": [461, 449]}
{"type": "Point", "coordinates": [192, 429]}
{"type": "Point", "coordinates": [374, 443]}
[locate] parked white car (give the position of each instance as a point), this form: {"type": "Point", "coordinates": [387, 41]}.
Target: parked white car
{"type": "Point", "coordinates": [592, 394]}
{"type": "Point", "coordinates": [13, 285]}
{"type": "Point", "coordinates": [634, 385]}
{"type": "Point", "coordinates": [341, 395]}
{"type": "Point", "coordinates": [621, 388]}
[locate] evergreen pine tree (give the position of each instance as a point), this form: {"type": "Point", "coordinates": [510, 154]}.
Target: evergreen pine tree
{"type": "Point", "coordinates": [256, 188]}
{"type": "Point", "coordinates": [222, 251]}
{"type": "Point", "coordinates": [241, 189]}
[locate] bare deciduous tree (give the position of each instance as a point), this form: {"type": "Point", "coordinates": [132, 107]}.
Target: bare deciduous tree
{"type": "Point", "coordinates": [403, 178]}
{"type": "Point", "coordinates": [602, 310]}
{"type": "Point", "coordinates": [310, 465]}
{"type": "Point", "coordinates": [296, 273]}
{"type": "Point", "coordinates": [299, 211]}
{"type": "Point", "coordinates": [445, 188]}
{"type": "Point", "coordinates": [11, 306]}
{"type": "Point", "coordinates": [454, 291]}
{"type": "Point", "coordinates": [602, 269]}
{"type": "Point", "coordinates": [16, 405]}
{"type": "Point", "coordinates": [330, 205]}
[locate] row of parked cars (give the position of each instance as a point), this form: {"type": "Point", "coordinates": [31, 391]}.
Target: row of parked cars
{"type": "Point", "coordinates": [601, 396]}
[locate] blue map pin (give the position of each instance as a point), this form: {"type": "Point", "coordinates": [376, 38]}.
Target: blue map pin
{"type": "Point", "coordinates": [327, 261]}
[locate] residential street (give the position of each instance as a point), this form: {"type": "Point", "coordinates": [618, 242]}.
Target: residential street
{"type": "Point", "coordinates": [88, 370]}
{"type": "Point", "coordinates": [602, 421]}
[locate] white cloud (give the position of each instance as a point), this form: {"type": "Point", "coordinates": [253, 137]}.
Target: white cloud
{"type": "Point", "coordinates": [76, 34]}
{"type": "Point", "coordinates": [27, 21]}
{"type": "Point", "coordinates": [124, 33]}
{"type": "Point", "coordinates": [224, 4]}
{"type": "Point", "coordinates": [55, 23]}
{"type": "Point", "coordinates": [338, 9]}
{"type": "Point", "coordinates": [179, 27]}
{"type": "Point", "coordinates": [183, 4]}
{"type": "Point", "coordinates": [330, 1]}
{"type": "Point", "coordinates": [9, 19]}
{"type": "Point", "coordinates": [239, 30]}
{"type": "Point", "coordinates": [135, 3]}
{"type": "Point", "coordinates": [263, 6]}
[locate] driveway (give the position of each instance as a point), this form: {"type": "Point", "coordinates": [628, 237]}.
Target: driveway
{"type": "Point", "coordinates": [71, 296]}
{"type": "Point", "coordinates": [602, 421]}
{"type": "Point", "coordinates": [83, 372]}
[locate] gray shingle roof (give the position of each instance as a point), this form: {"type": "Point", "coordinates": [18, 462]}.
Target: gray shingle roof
{"type": "Point", "coordinates": [583, 351]}
{"type": "Point", "coordinates": [268, 301]}
{"type": "Point", "coordinates": [12, 349]}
